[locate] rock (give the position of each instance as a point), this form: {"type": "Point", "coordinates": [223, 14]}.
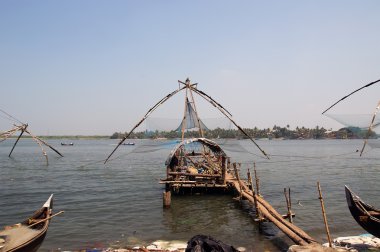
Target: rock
{"type": "Point", "coordinates": [203, 243]}
{"type": "Point", "coordinates": [359, 243]}
{"type": "Point", "coordinates": [315, 248]}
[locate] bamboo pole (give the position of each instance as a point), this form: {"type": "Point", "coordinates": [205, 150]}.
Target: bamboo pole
{"type": "Point", "coordinates": [367, 85]}
{"type": "Point", "coordinates": [257, 212]}
{"type": "Point", "coordinates": [184, 117]}
{"type": "Point", "coordinates": [249, 180]}
{"type": "Point", "coordinates": [48, 218]}
{"type": "Point", "coordinates": [143, 119]}
{"type": "Point", "coordinates": [238, 179]}
{"type": "Point", "coordinates": [43, 142]}
{"type": "Point", "coordinates": [195, 109]}
{"type": "Point", "coordinates": [324, 214]}
{"type": "Point", "coordinates": [228, 115]}
{"type": "Point", "coordinates": [257, 180]}
{"type": "Point", "coordinates": [22, 132]}
{"type": "Point", "coordinates": [224, 170]}
{"type": "Point", "coordinates": [288, 205]}
{"type": "Point", "coordinates": [295, 233]}
{"type": "Point", "coordinates": [289, 229]}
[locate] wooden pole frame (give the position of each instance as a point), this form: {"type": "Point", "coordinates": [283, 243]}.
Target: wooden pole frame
{"type": "Point", "coordinates": [191, 87]}
{"type": "Point", "coordinates": [23, 128]}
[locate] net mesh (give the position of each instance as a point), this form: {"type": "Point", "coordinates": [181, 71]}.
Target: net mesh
{"type": "Point", "coordinates": [361, 121]}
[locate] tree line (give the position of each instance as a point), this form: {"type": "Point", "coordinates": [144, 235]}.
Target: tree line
{"type": "Point", "coordinates": [276, 132]}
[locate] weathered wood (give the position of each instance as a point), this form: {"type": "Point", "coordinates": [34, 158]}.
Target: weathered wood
{"type": "Point", "coordinates": [238, 179]}
{"type": "Point", "coordinates": [195, 175]}
{"type": "Point", "coordinates": [267, 211]}
{"type": "Point", "coordinates": [178, 182]}
{"type": "Point", "coordinates": [43, 142]}
{"type": "Point", "coordinates": [324, 214]}
{"type": "Point", "coordinates": [278, 222]}
{"type": "Point", "coordinates": [257, 212]}
{"type": "Point", "coordinates": [166, 199]}
{"type": "Point", "coordinates": [48, 218]}
{"type": "Point", "coordinates": [256, 179]}
{"type": "Point", "coordinates": [288, 205]}
{"type": "Point", "coordinates": [249, 179]}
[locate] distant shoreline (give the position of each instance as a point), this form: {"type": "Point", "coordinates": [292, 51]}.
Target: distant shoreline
{"type": "Point", "coordinates": [79, 137]}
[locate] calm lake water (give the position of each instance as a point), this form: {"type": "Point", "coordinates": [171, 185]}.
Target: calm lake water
{"type": "Point", "coordinates": [120, 203]}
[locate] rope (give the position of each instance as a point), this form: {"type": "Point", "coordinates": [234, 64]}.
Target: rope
{"type": "Point", "coordinates": [9, 117]}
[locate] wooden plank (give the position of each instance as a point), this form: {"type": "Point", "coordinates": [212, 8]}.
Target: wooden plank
{"type": "Point", "coordinates": [292, 231]}
{"type": "Point", "coordinates": [195, 175]}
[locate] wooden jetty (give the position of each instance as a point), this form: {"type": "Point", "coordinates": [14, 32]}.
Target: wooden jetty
{"type": "Point", "coordinates": [199, 165]}
{"type": "Point", "coordinates": [230, 182]}
{"type": "Point", "coordinates": [264, 211]}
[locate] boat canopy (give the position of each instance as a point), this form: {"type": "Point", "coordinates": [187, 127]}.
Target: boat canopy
{"type": "Point", "coordinates": [214, 147]}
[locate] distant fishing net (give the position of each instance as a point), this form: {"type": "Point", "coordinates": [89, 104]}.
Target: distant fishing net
{"type": "Point", "coordinates": [361, 121]}
{"type": "Point", "coordinates": [360, 126]}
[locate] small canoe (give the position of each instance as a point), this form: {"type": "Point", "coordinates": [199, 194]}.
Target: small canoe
{"type": "Point", "coordinates": [28, 235]}
{"type": "Point", "coordinates": [67, 144]}
{"type": "Point", "coordinates": [367, 216]}
{"type": "Point", "coordinates": [130, 143]}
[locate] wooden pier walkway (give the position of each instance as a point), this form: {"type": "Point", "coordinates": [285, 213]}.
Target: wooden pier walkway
{"type": "Point", "coordinates": [266, 211]}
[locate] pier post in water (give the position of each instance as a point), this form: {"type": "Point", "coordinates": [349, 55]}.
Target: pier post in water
{"type": "Point", "coordinates": [167, 196]}
{"type": "Point", "coordinates": [238, 179]}
{"type": "Point", "coordinates": [257, 180]}
{"type": "Point", "coordinates": [288, 205]}
{"type": "Point", "coordinates": [250, 186]}
{"type": "Point", "coordinates": [224, 169]}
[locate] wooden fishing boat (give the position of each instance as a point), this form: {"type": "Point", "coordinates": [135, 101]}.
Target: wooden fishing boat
{"type": "Point", "coordinates": [196, 160]}
{"type": "Point", "coordinates": [28, 235]}
{"type": "Point", "coordinates": [67, 144]}
{"type": "Point", "coordinates": [129, 143]}
{"type": "Point", "coordinates": [367, 216]}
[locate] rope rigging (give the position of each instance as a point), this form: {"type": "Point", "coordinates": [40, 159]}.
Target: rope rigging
{"type": "Point", "coordinates": [187, 86]}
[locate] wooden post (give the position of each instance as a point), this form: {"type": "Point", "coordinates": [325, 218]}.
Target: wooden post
{"type": "Point", "coordinates": [167, 199]}
{"type": "Point", "coordinates": [228, 164]}
{"type": "Point", "coordinates": [253, 194]}
{"type": "Point", "coordinates": [224, 170]}
{"type": "Point", "coordinates": [324, 214]}
{"type": "Point", "coordinates": [288, 205]}
{"type": "Point", "coordinates": [250, 186]}
{"type": "Point", "coordinates": [257, 180]}
{"type": "Point", "coordinates": [238, 179]}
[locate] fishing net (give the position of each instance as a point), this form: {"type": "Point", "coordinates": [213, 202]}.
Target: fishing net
{"type": "Point", "coordinates": [360, 121]}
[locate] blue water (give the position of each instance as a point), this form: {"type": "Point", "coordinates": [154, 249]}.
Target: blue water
{"type": "Point", "coordinates": [120, 203]}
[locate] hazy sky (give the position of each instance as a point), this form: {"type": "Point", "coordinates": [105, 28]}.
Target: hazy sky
{"type": "Point", "coordinates": [96, 67]}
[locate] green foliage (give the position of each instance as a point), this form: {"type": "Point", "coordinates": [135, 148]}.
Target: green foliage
{"type": "Point", "coordinates": [275, 132]}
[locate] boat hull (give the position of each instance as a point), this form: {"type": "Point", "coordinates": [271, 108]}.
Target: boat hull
{"type": "Point", "coordinates": [31, 246]}
{"type": "Point", "coordinates": [22, 243]}
{"type": "Point", "coordinates": [367, 216]}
